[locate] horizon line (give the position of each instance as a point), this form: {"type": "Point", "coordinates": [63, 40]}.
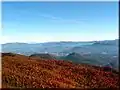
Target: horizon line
{"type": "Point", "coordinates": [58, 41]}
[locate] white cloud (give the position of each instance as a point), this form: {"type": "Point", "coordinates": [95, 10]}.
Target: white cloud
{"type": "Point", "coordinates": [43, 37]}
{"type": "Point", "coordinates": [26, 38]}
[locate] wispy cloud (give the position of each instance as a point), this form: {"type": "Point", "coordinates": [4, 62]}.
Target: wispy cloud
{"type": "Point", "coordinates": [60, 19]}
{"type": "Point", "coordinates": [50, 16]}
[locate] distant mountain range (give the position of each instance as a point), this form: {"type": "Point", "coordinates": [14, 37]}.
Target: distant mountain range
{"type": "Point", "coordinates": [95, 53]}
{"type": "Point", "coordinates": [107, 42]}
{"type": "Point", "coordinates": [43, 56]}
{"type": "Point", "coordinates": [58, 47]}
{"type": "Point", "coordinates": [77, 58]}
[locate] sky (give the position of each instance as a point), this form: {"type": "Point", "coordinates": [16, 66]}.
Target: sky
{"type": "Point", "coordinates": [59, 21]}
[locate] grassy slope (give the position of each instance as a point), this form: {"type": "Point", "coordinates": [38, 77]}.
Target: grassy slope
{"type": "Point", "coordinates": [24, 72]}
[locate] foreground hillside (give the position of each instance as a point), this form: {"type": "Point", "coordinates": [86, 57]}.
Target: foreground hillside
{"type": "Point", "coordinates": [25, 72]}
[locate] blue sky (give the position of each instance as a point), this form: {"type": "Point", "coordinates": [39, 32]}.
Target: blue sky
{"type": "Point", "coordinates": [59, 21]}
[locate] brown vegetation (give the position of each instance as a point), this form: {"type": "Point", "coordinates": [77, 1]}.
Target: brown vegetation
{"type": "Point", "coordinates": [20, 71]}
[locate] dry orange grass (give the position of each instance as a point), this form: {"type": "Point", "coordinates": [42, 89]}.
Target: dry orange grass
{"type": "Point", "coordinates": [24, 72]}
